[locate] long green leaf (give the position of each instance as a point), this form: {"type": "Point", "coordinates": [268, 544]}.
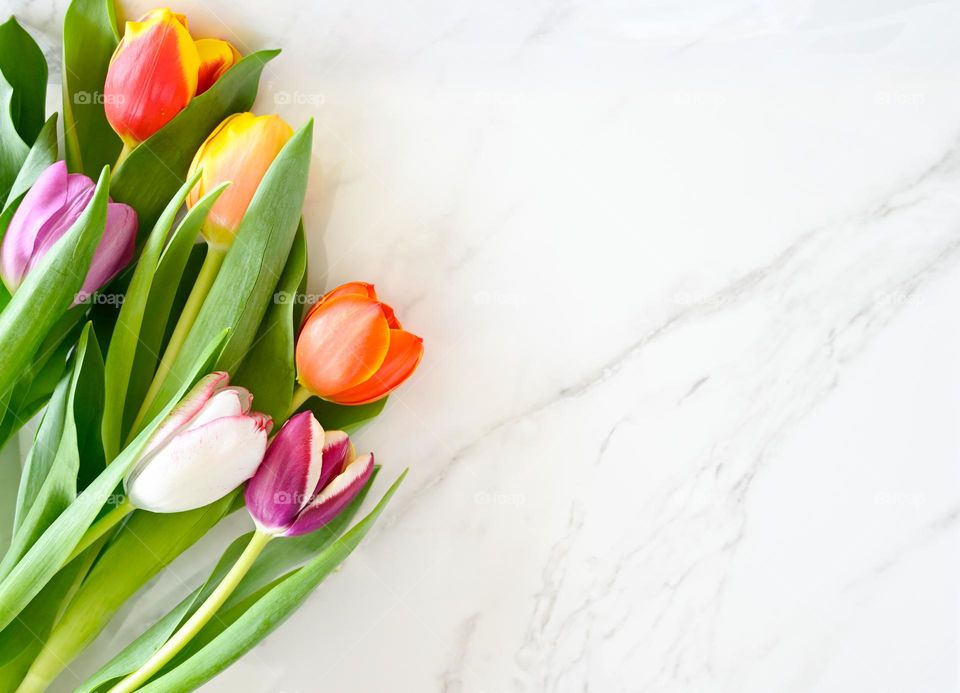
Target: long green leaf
{"type": "Point", "coordinates": [25, 69]}
{"type": "Point", "coordinates": [89, 39]}
{"type": "Point", "coordinates": [156, 168]}
{"type": "Point", "coordinates": [48, 554]}
{"type": "Point", "coordinates": [245, 284]}
{"type": "Point", "coordinates": [126, 336]}
{"type": "Point", "coordinates": [51, 476]}
{"type": "Point", "coordinates": [142, 548]}
{"type": "Point", "coordinates": [169, 279]}
{"type": "Point", "coordinates": [41, 155]}
{"type": "Point", "coordinates": [266, 613]}
{"type": "Point", "coordinates": [49, 289]}
{"type": "Point", "coordinates": [13, 150]}
{"type": "Point", "coordinates": [268, 370]}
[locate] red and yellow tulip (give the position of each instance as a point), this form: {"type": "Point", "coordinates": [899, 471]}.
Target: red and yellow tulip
{"type": "Point", "coordinates": [240, 150]}
{"type": "Point", "coordinates": [352, 349]}
{"type": "Point", "coordinates": [155, 72]}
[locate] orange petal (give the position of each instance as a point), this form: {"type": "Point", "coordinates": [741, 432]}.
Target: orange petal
{"type": "Point", "coordinates": [152, 75]}
{"type": "Point", "coordinates": [348, 289]}
{"type": "Point", "coordinates": [240, 150]}
{"type": "Point", "coordinates": [216, 57]}
{"type": "Point", "coordinates": [401, 361]}
{"type": "Point", "coordinates": [342, 344]}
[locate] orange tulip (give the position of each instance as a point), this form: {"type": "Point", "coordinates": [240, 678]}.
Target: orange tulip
{"type": "Point", "coordinates": [352, 349]}
{"type": "Point", "coordinates": [152, 75]}
{"type": "Point", "coordinates": [240, 150]}
{"type": "Point", "coordinates": [216, 57]}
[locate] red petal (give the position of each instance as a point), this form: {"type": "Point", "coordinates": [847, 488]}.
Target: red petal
{"type": "Point", "coordinates": [401, 361]}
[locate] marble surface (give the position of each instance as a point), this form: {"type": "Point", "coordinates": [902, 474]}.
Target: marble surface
{"type": "Point", "coordinates": [687, 274]}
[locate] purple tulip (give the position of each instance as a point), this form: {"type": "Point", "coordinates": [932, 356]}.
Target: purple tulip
{"type": "Point", "coordinates": [47, 211]}
{"type": "Point", "coordinates": [307, 477]}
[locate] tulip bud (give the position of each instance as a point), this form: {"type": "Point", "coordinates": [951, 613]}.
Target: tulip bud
{"type": "Point", "coordinates": [216, 57]}
{"type": "Point", "coordinates": [152, 75]}
{"type": "Point", "coordinates": [240, 150]}
{"type": "Point", "coordinates": [206, 447]}
{"type": "Point", "coordinates": [352, 349]}
{"type": "Point", "coordinates": [46, 213]}
{"type": "Point", "coordinates": [306, 479]}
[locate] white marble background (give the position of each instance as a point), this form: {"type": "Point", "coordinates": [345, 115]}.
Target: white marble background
{"type": "Point", "coordinates": [688, 276]}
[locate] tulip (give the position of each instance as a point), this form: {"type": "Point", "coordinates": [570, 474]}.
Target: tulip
{"type": "Point", "coordinates": [152, 75]}
{"type": "Point", "coordinates": [46, 213]}
{"type": "Point", "coordinates": [240, 150]}
{"type": "Point", "coordinates": [216, 57]}
{"type": "Point", "coordinates": [352, 349]}
{"type": "Point", "coordinates": [306, 479]}
{"type": "Point", "coordinates": [209, 445]}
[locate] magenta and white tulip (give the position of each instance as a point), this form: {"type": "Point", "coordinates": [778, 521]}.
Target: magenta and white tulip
{"type": "Point", "coordinates": [307, 477]}
{"type": "Point", "coordinates": [46, 213]}
{"type": "Point", "coordinates": [207, 446]}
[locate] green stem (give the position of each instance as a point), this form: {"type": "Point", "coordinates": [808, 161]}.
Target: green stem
{"type": "Point", "coordinates": [101, 527]}
{"type": "Point", "coordinates": [201, 287]}
{"type": "Point", "coordinates": [300, 395]}
{"type": "Point", "coordinates": [124, 153]}
{"type": "Point", "coordinates": [199, 619]}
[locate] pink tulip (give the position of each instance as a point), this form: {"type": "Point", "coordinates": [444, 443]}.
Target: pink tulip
{"type": "Point", "coordinates": [306, 479]}
{"type": "Point", "coordinates": [206, 447]}
{"type": "Point", "coordinates": [46, 213]}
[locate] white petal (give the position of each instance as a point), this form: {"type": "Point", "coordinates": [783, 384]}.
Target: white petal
{"type": "Point", "coordinates": [199, 466]}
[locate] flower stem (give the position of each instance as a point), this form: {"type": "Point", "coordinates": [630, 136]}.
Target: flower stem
{"type": "Point", "coordinates": [124, 153]}
{"type": "Point", "coordinates": [101, 527]}
{"type": "Point", "coordinates": [300, 395]}
{"type": "Point", "coordinates": [201, 287]}
{"type": "Point", "coordinates": [200, 617]}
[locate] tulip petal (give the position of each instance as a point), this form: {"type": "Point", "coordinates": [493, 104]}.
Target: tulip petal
{"type": "Point", "coordinates": [349, 289]}
{"type": "Point", "coordinates": [228, 401]}
{"type": "Point", "coordinates": [334, 498]}
{"type": "Point", "coordinates": [240, 150]}
{"type": "Point", "coordinates": [336, 454]}
{"type": "Point", "coordinates": [216, 57]}
{"type": "Point", "coordinates": [152, 76]}
{"type": "Point", "coordinates": [342, 345]}
{"type": "Point", "coordinates": [285, 482]}
{"type": "Point", "coordinates": [116, 247]}
{"type": "Point", "coordinates": [199, 466]}
{"type": "Point", "coordinates": [402, 359]}
{"type": "Point", "coordinates": [43, 201]}
{"type": "Point", "coordinates": [192, 403]}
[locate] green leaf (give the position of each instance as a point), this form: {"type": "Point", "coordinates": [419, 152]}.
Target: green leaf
{"type": "Point", "coordinates": [268, 370]}
{"type": "Point", "coordinates": [66, 453]}
{"type": "Point", "coordinates": [49, 289]}
{"type": "Point", "coordinates": [41, 155]}
{"type": "Point", "coordinates": [48, 554]}
{"type": "Point", "coordinates": [156, 168]}
{"type": "Point", "coordinates": [25, 69]}
{"type": "Point", "coordinates": [171, 278]}
{"type": "Point", "coordinates": [277, 559]}
{"type": "Point", "coordinates": [22, 640]}
{"type": "Point", "coordinates": [266, 613]}
{"type": "Point", "coordinates": [126, 336]}
{"type": "Point", "coordinates": [13, 150]}
{"type": "Point", "coordinates": [145, 544]}
{"type": "Point", "coordinates": [339, 417]}
{"type": "Point", "coordinates": [89, 38]}
{"type": "Point", "coordinates": [244, 286]}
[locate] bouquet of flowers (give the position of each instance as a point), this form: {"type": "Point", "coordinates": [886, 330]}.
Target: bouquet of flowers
{"type": "Point", "coordinates": [152, 314]}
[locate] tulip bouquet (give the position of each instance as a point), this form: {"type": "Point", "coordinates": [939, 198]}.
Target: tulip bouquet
{"type": "Point", "coordinates": [151, 321]}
